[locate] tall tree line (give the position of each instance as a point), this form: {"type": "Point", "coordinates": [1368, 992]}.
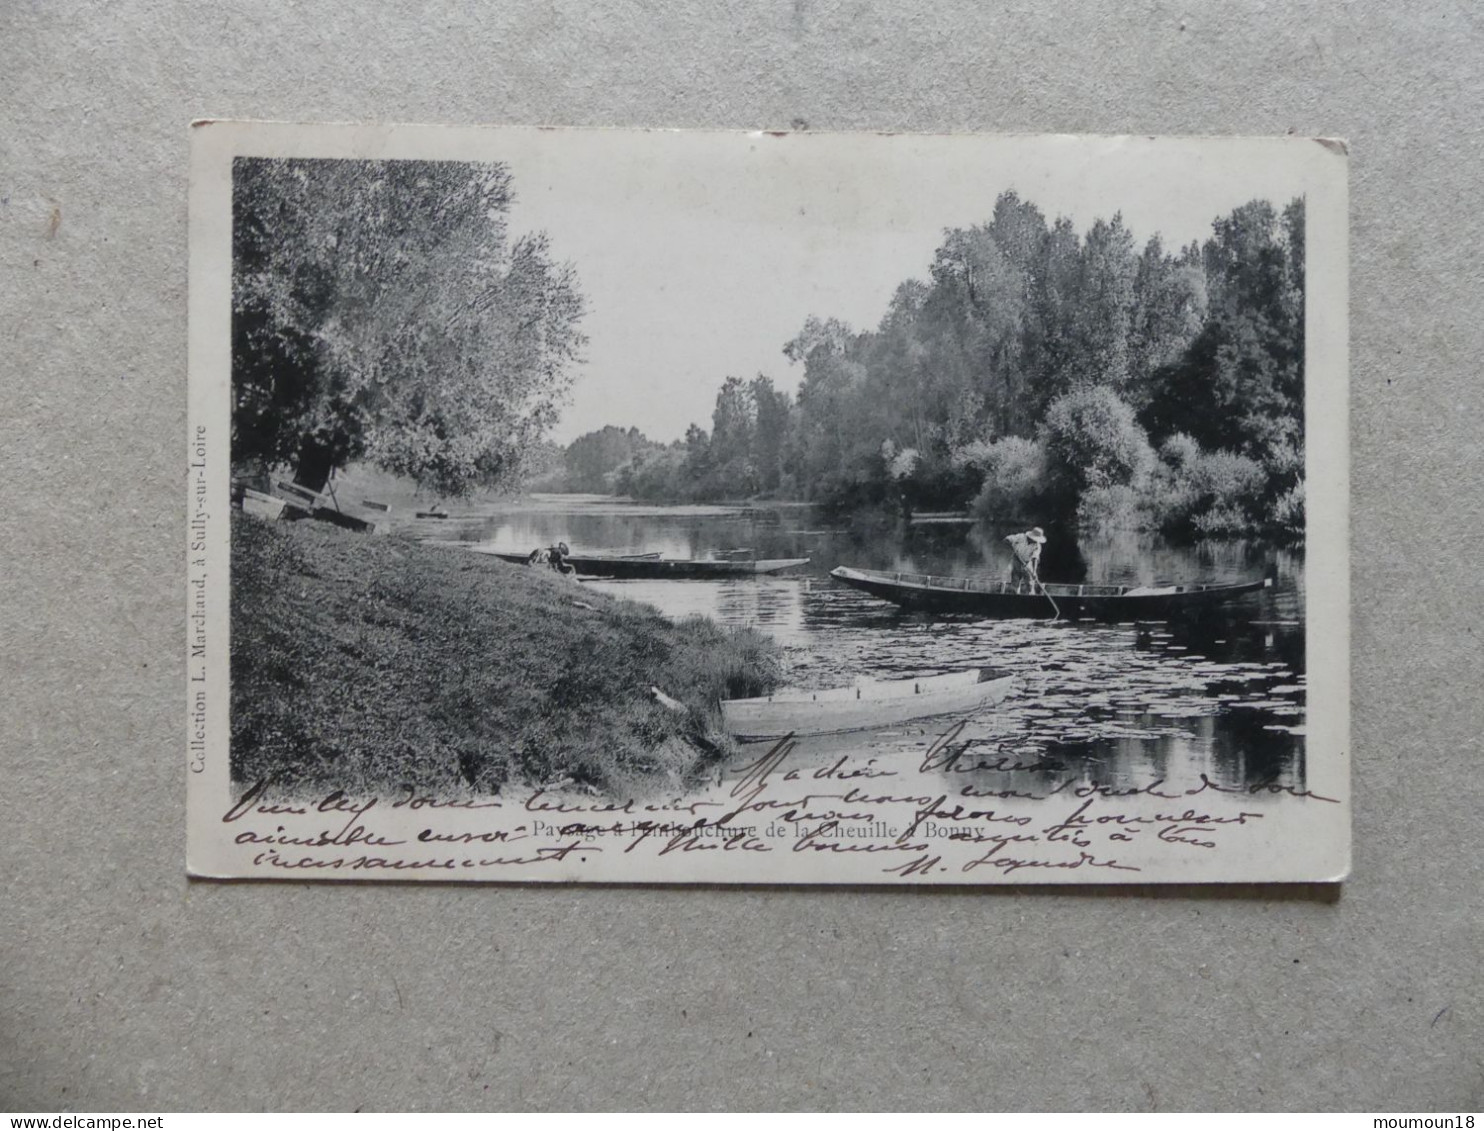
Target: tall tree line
{"type": "Point", "coordinates": [1040, 373]}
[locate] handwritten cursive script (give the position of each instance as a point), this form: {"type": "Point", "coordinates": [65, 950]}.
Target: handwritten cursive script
{"type": "Point", "coordinates": [963, 811]}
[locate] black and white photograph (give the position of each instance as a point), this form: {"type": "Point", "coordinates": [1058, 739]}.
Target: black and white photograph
{"type": "Point", "coordinates": [653, 506]}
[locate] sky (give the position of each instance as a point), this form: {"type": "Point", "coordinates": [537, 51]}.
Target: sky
{"type": "Point", "coordinates": [701, 254]}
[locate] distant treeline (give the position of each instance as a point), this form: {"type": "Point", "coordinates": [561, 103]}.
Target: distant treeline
{"type": "Point", "coordinates": [1038, 374]}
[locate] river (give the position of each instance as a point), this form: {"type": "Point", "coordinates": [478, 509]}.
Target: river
{"type": "Point", "coordinates": [1115, 705]}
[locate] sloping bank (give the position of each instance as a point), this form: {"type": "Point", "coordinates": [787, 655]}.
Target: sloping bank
{"type": "Point", "coordinates": [368, 664]}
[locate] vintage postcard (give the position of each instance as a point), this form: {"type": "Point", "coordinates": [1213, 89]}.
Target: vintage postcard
{"type": "Point", "coordinates": [704, 507]}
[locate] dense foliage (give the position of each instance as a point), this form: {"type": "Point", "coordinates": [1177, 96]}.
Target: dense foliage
{"type": "Point", "coordinates": [1039, 374]}
{"type": "Point", "coordinates": [381, 311]}
{"type": "Point", "coordinates": [590, 462]}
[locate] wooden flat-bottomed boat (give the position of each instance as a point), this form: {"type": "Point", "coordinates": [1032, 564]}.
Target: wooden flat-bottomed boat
{"type": "Point", "coordinates": [296, 504]}
{"type": "Point", "coordinates": [868, 705]}
{"type": "Point", "coordinates": [988, 598]}
{"type": "Point", "coordinates": [262, 504]}
{"type": "Point", "coordinates": [653, 567]}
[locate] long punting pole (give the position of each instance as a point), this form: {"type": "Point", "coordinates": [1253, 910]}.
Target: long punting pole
{"type": "Point", "coordinates": [1037, 581]}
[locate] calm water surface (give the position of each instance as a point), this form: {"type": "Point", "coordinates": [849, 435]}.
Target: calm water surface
{"type": "Point", "coordinates": [1121, 705]}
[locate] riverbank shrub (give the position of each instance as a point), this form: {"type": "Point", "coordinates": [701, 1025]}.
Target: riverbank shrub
{"type": "Point", "coordinates": [1013, 476]}
{"type": "Point", "coordinates": [1118, 507]}
{"type": "Point", "coordinates": [1092, 440]}
{"type": "Point", "coordinates": [655, 475]}
{"type": "Point", "coordinates": [1206, 494]}
{"type": "Point", "coordinates": [1286, 516]}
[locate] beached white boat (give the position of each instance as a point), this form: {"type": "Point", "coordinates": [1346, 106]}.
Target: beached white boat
{"type": "Point", "coordinates": [865, 706]}
{"type": "Point", "coordinates": [262, 504]}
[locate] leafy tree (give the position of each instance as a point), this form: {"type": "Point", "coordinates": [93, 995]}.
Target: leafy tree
{"type": "Point", "coordinates": [656, 473]}
{"type": "Point", "coordinates": [1052, 339]}
{"type": "Point", "coordinates": [1105, 312]}
{"type": "Point", "coordinates": [1014, 478]}
{"type": "Point", "coordinates": [698, 464]}
{"type": "Point", "coordinates": [1092, 440]}
{"type": "Point", "coordinates": [830, 336]}
{"type": "Point", "coordinates": [1239, 385]}
{"type": "Point", "coordinates": [733, 426]}
{"type": "Point", "coordinates": [593, 457]}
{"type": "Point", "coordinates": [773, 409]}
{"type": "Point", "coordinates": [1169, 310]}
{"type": "Point", "coordinates": [381, 311]}
{"type": "Point", "coordinates": [829, 410]}
{"type": "Point", "coordinates": [544, 462]}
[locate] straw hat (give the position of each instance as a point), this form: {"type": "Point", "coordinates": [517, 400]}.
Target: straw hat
{"type": "Point", "coordinates": [1036, 534]}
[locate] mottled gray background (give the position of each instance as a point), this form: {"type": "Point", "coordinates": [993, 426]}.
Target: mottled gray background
{"type": "Point", "coordinates": [124, 987]}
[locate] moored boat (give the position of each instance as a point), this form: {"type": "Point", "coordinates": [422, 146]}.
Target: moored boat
{"type": "Point", "coordinates": [262, 504]}
{"type": "Point", "coordinates": [654, 567]}
{"type": "Point", "coordinates": [296, 503]}
{"type": "Point", "coordinates": [989, 598]}
{"type": "Point", "coordinates": [868, 705]}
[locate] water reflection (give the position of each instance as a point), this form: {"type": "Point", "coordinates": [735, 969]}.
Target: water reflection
{"type": "Point", "coordinates": [1108, 705]}
{"type": "Point", "coordinates": [773, 604]}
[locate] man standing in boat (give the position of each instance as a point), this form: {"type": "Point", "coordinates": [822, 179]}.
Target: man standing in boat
{"type": "Point", "coordinates": [1026, 565]}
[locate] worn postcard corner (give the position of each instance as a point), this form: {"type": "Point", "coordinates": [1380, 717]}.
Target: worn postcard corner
{"type": "Point", "coordinates": [642, 506]}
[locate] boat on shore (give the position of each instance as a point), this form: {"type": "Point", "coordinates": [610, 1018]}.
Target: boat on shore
{"type": "Point", "coordinates": [988, 598]}
{"type": "Point", "coordinates": [653, 567]}
{"type": "Point", "coordinates": [294, 503]}
{"type": "Point", "coordinates": [262, 504]}
{"type": "Point", "coordinates": [868, 705]}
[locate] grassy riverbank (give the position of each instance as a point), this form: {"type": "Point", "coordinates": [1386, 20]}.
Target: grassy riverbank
{"type": "Point", "coordinates": [365, 664]}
